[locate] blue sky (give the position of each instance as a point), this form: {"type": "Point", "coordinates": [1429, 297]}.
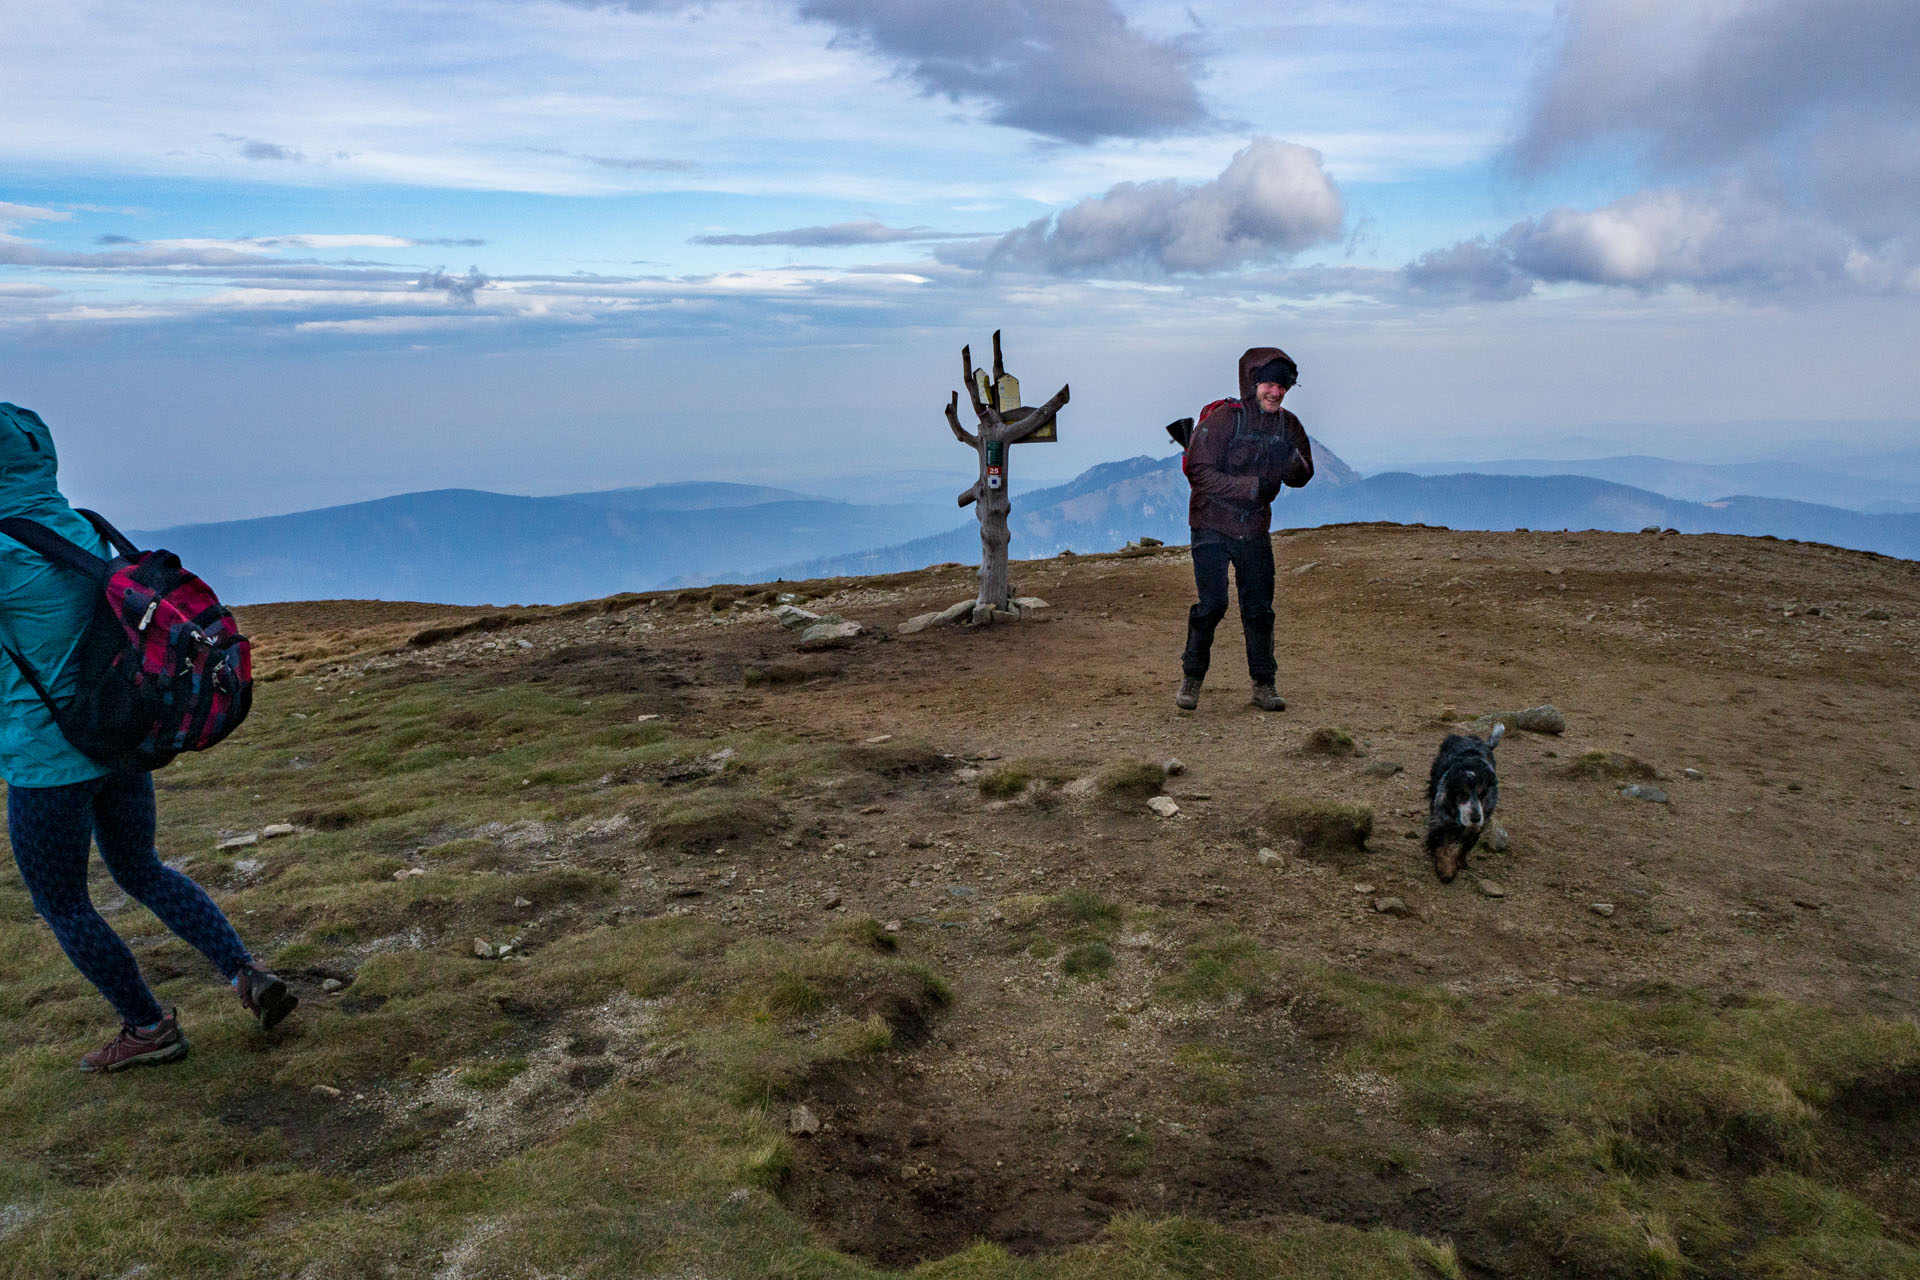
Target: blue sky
{"type": "Point", "coordinates": [288, 254]}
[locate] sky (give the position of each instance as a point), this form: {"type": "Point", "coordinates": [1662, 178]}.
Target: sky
{"type": "Point", "coordinates": [267, 256]}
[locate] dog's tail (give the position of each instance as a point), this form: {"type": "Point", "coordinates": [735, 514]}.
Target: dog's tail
{"type": "Point", "coordinates": [1499, 732]}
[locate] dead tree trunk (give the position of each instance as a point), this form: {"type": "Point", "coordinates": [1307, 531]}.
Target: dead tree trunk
{"type": "Point", "coordinates": [993, 442]}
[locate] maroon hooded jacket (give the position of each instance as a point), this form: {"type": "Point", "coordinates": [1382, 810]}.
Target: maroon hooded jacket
{"type": "Point", "coordinates": [1238, 457]}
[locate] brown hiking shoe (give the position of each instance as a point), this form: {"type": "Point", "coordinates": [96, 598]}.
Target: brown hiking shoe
{"type": "Point", "coordinates": [1189, 696]}
{"type": "Point", "coordinates": [1267, 699]}
{"type": "Point", "coordinates": [136, 1048]}
{"type": "Point", "coordinates": [265, 994]}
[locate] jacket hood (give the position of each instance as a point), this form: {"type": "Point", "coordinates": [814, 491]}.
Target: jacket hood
{"type": "Point", "coordinates": [1255, 357]}
{"type": "Point", "coordinates": [29, 468]}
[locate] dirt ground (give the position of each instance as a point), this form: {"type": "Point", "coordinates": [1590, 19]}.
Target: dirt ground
{"type": "Point", "coordinates": [1771, 687]}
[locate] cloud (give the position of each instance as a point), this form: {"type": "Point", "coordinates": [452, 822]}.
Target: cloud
{"type": "Point", "coordinates": [1782, 138]}
{"type": "Point", "coordinates": [1727, 240]}
{"type": "Point", "coordinates": [457, 288]}
{"type": "Point", "coordinates": [14, 215]}
{"type": "Point", "coordinates": [1066, 69]}
{"type": "Point", "coordinates": [1274, 199]}
{"type": "Point", "coordinates": [840, 234]}
{"type": "Point", "coordinates": [1472, 269]}
{"type": "Point", "coordinates": [648, 164]}
{"type": "Point", "coordinates": [1707, 82]}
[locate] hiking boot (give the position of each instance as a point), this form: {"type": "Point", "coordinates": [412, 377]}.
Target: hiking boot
{"type": "Point", "coordinates": [1189, 696]}
{"type": "Point", "coordinates": [136, 1048]}
{"type": "Point", "coordinates": [265, 994]}
{"type": "Point", "coordinates": [1265, 698]}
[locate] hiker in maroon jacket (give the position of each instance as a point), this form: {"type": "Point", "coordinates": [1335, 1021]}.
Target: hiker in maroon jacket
{"type": "Point", "coordinates": [1240, 454]}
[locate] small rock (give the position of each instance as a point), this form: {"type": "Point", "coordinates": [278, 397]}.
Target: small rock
{"type": "Point", "coordinates": [1363, 887]}
{"type": "Point", "coordinates": [830, 635]}
{"type": "Point", "coordinates": [1499, 840]}
{"type": "Point", "coordinates": [1383, 769]}
{"type": "Point", "coordinates": [239, 842]}
{"type": "Point", "coordinates": [331, 984]}
{"type": "Point", "coordinates": [642, 719]}
{"type": "Point", "coordinates": [1267, 858]}
{"type": "Point", "coordinates": [1026, 604]}
{"type": "Point", "coordinates": [407, 873]}
{"type": "Point", "coordinates": [891, 926]}
{"type": "Point", "coordinates": [878, 738]}
{"type": "Point", "coordinates": [1693, 775]}
{"type": "Point", "coordinates": [522, 903]}
{"type": "Point", "coordinates": [1644, 791]}
{"type": "Point", "coordinates": [274, 830]}
{"type": "Point", "coordinates": [1652, 528]}
{"type": "Point", "coordinates": [1492, 888]}
{"type": "Point", "coordinates": [325, 1091]}
{"type": "Point", "coordinates": [1151, 542]}
{"type": "Point", "coordinates": [829, 902]}
{"type": "Point", "coordinates": [1174, 767]}
{"type": "Point", "coordinates": [1602, 908]}
{"type": "Point", "coordinates": [523, 644]}
{"type": "Point", "coordinates": [1164, 806]}
{"type": "Point", "coordinates": [792, 616]}
{"type": "Point", "coordinates": [1308, 567]}
{"type": "Point", "coordinates": [1542, 719]}
{"type": "Point", "coordinates": [1392, 907]}
{"type": "Point", "coordinates": [483, 949]}
{"type": "Point", "coordinates": [802, 1123]}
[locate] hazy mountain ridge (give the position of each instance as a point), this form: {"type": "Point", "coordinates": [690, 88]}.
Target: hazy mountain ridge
{"type": "Point", "coordinates": [1147, 497]}
{"type": "Point", "coordinates": [1876, 484]}
{"type": "Point", "coordinates": [465, 546]}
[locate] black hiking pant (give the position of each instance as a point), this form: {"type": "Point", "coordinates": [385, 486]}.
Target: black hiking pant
{"type": "Point", "coordinates": [1252, 561]}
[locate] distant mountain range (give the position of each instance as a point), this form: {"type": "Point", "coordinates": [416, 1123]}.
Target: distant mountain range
{"type": "Point", "coordinates": [1121, 501]}
{"type": "Point", "coordinates": [464, 546]}
{"type": "Point", "coordinates": [467, 546]}
{"type": "Point", "coordinates": [1887, 483]}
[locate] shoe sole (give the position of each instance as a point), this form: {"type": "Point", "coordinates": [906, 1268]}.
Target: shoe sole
{"type": "Point", "coordinates": [166, 1053]}
{"type": "Point", "coordinates": [276, 1002]}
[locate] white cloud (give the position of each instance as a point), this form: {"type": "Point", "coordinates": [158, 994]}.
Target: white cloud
{"type": "Point", "coordinates": [1274, 199]}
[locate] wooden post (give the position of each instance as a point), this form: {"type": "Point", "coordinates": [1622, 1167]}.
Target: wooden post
{"type": "Point", "coordinates": [993, 442]}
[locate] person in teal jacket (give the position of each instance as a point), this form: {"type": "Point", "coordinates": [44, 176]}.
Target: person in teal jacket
{"type": "Point", "coordinates": [59, 801]}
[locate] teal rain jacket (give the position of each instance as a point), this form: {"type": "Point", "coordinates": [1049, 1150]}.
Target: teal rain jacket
{"type": "Point", "coordinates": [43, 608]}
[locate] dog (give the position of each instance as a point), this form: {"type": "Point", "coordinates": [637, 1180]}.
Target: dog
{"type": "Point", "coordinates": [1462, 790]}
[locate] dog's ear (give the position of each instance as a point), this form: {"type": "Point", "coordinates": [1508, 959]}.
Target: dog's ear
{"type": "Point", "coordinates": [1499, 732]}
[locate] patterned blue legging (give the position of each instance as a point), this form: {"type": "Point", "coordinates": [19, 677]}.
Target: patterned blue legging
{"type": "Point", "coordinates": [51, 828]}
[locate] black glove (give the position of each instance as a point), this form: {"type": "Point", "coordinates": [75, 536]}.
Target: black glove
{"type": "Point", "coordinates": [1268, 491]}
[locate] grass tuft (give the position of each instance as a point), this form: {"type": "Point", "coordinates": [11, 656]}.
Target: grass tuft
{"type": "Point", "coordinates": [1324, 829]}
{"type": "Point", "coordinates": [1088, 960]}
{"type": "Point", "coordinates": [1329, 742]}
{"type": "Point", "coordinates": [1608, 764]}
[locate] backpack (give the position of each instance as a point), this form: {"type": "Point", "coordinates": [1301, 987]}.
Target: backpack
{"type": "Point", "coordinates": [162, 667]}
{"type": "Point", "coordinates": [1181, 429]}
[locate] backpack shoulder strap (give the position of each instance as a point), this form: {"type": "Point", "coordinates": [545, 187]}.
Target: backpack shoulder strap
{"type": "Point", "coordinates": [36, 536]}
{"type": "Point", "coordinates": [115, 539]}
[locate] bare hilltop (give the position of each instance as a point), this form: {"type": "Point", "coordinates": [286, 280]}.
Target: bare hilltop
{"type": "Point", "coordinates": [634, 939]}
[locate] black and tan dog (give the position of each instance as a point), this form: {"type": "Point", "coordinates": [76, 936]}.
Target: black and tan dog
{"type": "Point", "coordinates": [1462, 790]}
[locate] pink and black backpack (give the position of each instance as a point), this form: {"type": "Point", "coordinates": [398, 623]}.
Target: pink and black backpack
{"type": "Point", "coordinates": [162, 667]}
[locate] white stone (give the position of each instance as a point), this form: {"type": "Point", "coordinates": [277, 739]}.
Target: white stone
{"type": "Point", "coordinates": [830, 635]}
{"type": "Point", "coordinates": [274, 830]}
{"type": "Point", "coordinates": [239, 842]}
{"type": "Point", "coordinates": [483, 949]}
{"type": "Point", "coordinates": [1164, 806]}
{"type": "Point", "coordinates": [791, 616]}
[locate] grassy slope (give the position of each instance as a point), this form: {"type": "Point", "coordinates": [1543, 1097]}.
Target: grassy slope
{"type": "Point", "coordinates": [1659, 1132]}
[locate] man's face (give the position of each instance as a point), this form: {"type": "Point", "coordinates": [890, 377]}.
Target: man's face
{"type": "Point", "coordinates": [1269, 394]}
